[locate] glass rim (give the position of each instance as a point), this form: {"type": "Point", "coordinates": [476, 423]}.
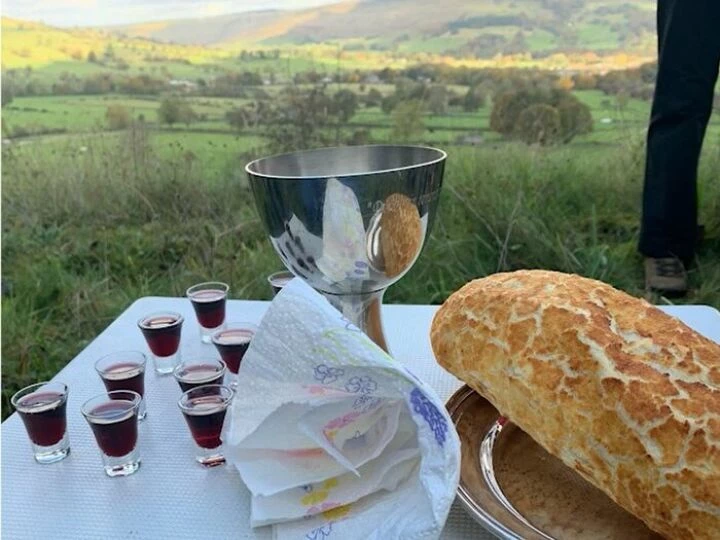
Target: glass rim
{"type": "Point", "coordinates": [118, 353]}
{"type": "Point", "coordinates": [191, 361]}
{"type": "Point", "coordinates": [225, 402]}
{"type": "Point", "coordinates": [286, 273]}
{"type": "Point", "coordinates": [205, 284]}
{"type": "Point", "coordinates": [36, 386]}
{"type": "Point", "coordinates": [137, 398]}
{"type": "Point", "coordinates": [235, 325]}
{"type": "Point", "coordinates": [179, 319]}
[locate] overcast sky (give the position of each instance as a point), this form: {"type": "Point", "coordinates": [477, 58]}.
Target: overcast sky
{"type": "Point", "coordinates": [107, 12]}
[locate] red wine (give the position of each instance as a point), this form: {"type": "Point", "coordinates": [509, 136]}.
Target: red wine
{"type": "Point", "coordinates": [205, 418]}
{"type": "Point", "coordinates": [278, 281]}
{"type": "Point", "coordinates": [196, 375]}
{"type": "Point", "coordinates": [44, 415]}
{"type": "Point", "coordinates": [125, 376]}
{"type": "Point", "coordinates": [209, 307]}
{"type": "Point", "coordinates": [115, 427]}
{"type": "Point", "coordinates": [232, 344]}
{"type": "Point", "coordinates": [162, 333]}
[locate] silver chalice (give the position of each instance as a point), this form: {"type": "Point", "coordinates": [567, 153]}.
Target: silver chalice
{"type": "Point", "coordinates": [350, 221]}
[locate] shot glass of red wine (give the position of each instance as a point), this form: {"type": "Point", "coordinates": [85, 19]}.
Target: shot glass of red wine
{"type": "Point", "coordinates": [204, 409]}
{"type": "Point", "coordinates": [278, 280]}
{"type": "Point", "coordinates": [209, 299]}
{"type": "Point", "coordinates": [113, 418]}
{"type": "Point", "coordinates": [232, 343]}
{"type": "Point", "coordinates": [43, 409]}
{"type": "Point", "coordinates": [199, 372]}
{"type": "Point", "coordinates": [162, 333]}
{"type": "Point", "coordinates": [124, 370]}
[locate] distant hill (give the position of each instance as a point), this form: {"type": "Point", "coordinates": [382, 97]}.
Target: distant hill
{"type": "Point", "coordinates": [480, 28]}
{"type": "Point", "coordinates": [35, 45]}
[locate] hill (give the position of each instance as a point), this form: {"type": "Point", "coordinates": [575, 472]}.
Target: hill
{"type": "Point", "coordinates": [481, 28]}
{"type": "Point", "coordinates": [35, 45]}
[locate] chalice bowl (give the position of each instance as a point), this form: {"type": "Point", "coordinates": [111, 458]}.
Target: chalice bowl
{"type": "Point", "coordinates": [350, 221]}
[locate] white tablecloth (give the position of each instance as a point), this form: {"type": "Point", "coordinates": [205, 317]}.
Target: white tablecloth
{"type": "Point", "coordinates": [171, 496]}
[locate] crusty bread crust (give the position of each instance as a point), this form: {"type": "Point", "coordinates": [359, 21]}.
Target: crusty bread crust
{"type": "Point", "coordinates": [621, 392]}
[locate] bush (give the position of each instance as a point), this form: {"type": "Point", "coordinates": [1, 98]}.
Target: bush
{"type": "Point", "coordinates": [117, 117]}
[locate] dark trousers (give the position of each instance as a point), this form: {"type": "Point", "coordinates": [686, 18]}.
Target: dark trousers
{"type": "Point", "coordinates": [688, 58]}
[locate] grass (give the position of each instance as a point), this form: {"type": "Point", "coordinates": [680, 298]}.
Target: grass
{"type": "Point", "coordinates": [87, 232]}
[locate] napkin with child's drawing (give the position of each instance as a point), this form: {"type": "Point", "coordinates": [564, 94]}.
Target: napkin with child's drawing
{"type": "Point", "coordinates": [333, 437]}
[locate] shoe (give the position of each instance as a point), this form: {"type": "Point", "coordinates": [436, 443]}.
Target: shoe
{"type": "Point", "coordinates": [666, 275]}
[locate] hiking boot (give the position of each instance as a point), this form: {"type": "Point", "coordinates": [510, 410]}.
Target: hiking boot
{"type": "Point", "coordinates": [666, 275]}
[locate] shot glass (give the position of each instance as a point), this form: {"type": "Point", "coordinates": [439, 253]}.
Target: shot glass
{"type": "Point", "coordinates": [208, 300]}
{"type": "Point", "coordinates": [204, 409]}
{"type": "Point", "coordinates": [113, 418]}
{"type": "Point", "coordinates": [278, 280]}
{"type": "Point", "coordinates": [43, 409]}
{"type": "Point", "coordinates": [124, 370]}
{"type": "Point", "coordinates": [232, 343]}
{"type": "Point", "coordinates": [199, 372]}
{"type": "Point", "coordinates": [162, 333]}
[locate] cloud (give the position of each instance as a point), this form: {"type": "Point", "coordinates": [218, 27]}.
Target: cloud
{"type": "Point", "coordinates": [111, 12]}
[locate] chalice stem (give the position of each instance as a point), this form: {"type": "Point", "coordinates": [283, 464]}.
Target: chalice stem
{"type": "Point", "coordinates": [364, 310]}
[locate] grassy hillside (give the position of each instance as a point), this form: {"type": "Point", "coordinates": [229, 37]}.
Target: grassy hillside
{"type": "Point", "coordinates": [482, 28]}
{"type": "Point", "coordinates": [35, 45]}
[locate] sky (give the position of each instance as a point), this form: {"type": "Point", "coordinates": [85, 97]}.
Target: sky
{"type": "Point", "coordinates": [110, 12]}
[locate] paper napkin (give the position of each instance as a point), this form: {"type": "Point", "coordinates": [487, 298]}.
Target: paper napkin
{"type": "Point", "coordinates": [333, 437]}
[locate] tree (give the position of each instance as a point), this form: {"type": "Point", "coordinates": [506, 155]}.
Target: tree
{"type": "Point", "coordinates": [437, 99]}
{"type": "Point", "coordinates": [539, 124]}
{"type": "Point", "coordinates": [7, 93]}
{"type": "Point", "coordinates": [575, 119]}
{"type": "Point", "coordinates": [408, 121]}
{"type": "Point", "coordinates": [507, 108]}
{"type": "Point", "coordinates": [473, 100]}
{"type": "Point", "coordinates": [237, 118]}
{"type": "Point", "coordinates": [117, 117]}
{"type": "Point", "coordinates": [298, 119]}
{"type": "Point", "coordinates": [170, 111]}
{"type": "Point", "coordinates": [345, 104]}
{"type": "Point", "coordinates": [187, 114]}
{"type": "Point", "coordinates": [389, 103]}
{"type": "Point", "coordinates": [92, 57]}
{"type": "Point", "coordinates": [373, 98]}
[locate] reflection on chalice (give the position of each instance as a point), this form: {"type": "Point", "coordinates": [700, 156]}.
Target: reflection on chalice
{"type": "Point", "coordinates": [350, 221]}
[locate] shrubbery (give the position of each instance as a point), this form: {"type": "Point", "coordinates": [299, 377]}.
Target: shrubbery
{"type": "Point", "coordinates": [540, 116]}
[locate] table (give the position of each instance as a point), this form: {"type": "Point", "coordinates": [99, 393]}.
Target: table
{"type": "Point", "coordinates": [170, 496]}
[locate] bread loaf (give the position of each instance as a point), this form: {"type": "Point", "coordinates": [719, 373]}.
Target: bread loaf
{"type": "Point", "coordinates": [623, 393]}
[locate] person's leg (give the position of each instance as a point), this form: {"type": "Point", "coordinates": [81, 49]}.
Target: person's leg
{"type": "Point", "coordinates": [688, 58]}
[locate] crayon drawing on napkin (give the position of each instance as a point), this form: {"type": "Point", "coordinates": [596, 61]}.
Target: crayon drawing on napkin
{"type": "Point", "coordinates": [334, 438]}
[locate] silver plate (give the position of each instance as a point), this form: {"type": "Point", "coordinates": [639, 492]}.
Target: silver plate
{"type": "Point", "coordinates": [517, 490]}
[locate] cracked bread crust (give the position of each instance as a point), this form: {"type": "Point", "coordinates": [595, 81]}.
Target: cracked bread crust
{"type": "Point", "coordinates": [623, 393]}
